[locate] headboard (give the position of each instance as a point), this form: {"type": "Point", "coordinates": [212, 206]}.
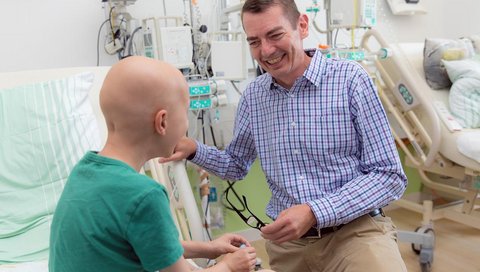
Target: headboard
{"type": "Point", "coordinates": [12, 79]}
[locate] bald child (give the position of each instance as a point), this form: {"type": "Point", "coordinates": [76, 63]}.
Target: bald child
{"type": "Point", "coordinates": [110, 217]}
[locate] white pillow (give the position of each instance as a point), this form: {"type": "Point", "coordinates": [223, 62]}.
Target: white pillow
{"type": "Point", "coordinates": [45, 128]}
{"type": "Point", "coordinates": [476, 42]}
{"type": "Point", "coordinates": [436, 50]}
{"type": "Point", "coordinates": [464, 98]}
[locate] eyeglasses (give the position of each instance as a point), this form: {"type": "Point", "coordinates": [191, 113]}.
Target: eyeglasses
{"type": "Point", "coordinates": [251, 220]}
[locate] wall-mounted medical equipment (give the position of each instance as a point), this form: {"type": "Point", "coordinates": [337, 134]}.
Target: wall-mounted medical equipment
{"type": "Point", "coordinates": [226, 65]}
{"type": "Point", "coordinates": [363, 13]}
{"type": "Point", "coordinates": [407, 7]}
{"type": "Point", "coordinates": [172, 44]}
{"type": "Point", "coordinates": [122, 26]}
{"type": "Point", "coordinates": [356, 54]}
{"type": "Point", "coordinates": [340, 14]}
{"type": "Point", "coordinates": [206, 94]}
{"type": "Point", "coordinates": [121, 2]}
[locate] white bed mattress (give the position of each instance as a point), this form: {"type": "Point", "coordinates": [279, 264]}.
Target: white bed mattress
{"type": "Point", "coordinates": [413, 53]}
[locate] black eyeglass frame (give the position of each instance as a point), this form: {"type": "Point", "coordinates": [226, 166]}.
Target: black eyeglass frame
{"type": "Point", "coordinates": [259, 224]}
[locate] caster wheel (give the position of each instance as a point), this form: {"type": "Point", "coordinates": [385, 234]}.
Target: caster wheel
{"type": "Point", "coordinates": [426, 267]}
{"type": "Point", "coordinates": [416, 247]}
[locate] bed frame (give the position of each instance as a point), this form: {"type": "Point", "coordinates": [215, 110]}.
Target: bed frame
{"type": "Point", "coordinates": [429, 145]}
{"type": "Point", "coordinates": [408, 99]}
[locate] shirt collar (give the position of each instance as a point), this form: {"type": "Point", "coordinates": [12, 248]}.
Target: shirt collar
{"type": "Point", "coordinates": [317, 68]}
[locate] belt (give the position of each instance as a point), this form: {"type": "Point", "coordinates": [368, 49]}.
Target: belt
{"type": "Point", "coordinates": [319, 233]}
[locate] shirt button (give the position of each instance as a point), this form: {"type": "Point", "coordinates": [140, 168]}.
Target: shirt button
{"type": "Point", "coordinates": [301, 177]}
{"type": "Point", "coordinates": [293, 124]}
{"type": "Point", "coordinates": [296, 151]}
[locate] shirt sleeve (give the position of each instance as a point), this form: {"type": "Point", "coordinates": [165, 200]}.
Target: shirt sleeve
{"type": "Point", "coordinates": [382, 180]}
{"type": "Point", "coordinates": [152, 232]}
{"type": "Point", "coordinates": [235, 161]}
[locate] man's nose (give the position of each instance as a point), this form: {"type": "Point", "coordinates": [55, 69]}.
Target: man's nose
{"type": "Point", "coordinates": [267, 48]}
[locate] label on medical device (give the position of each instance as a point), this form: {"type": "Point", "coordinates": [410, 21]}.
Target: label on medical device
{"type": "Point", "coordinates": [446, 116]}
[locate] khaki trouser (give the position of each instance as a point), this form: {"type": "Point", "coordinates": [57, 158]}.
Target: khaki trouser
{"type": "Point", "coordinates": [365, 244]}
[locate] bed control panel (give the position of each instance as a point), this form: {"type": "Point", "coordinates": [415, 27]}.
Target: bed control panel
{"type": "Point", "coordinates": [405, 96]}
{"type": "Point", "coordinates": [446, 116]}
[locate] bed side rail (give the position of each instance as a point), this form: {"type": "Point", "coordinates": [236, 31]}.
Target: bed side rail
{"type": "Point", "coordinates": [403, 99]}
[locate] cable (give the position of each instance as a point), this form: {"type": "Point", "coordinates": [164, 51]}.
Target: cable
{"type": "Point", "coordinates": [205, 217]}
{"type": "Point", "coordinates": [164, 8]}
{"type": "Point", "coordinates": [211, 129]}
{"type": "Point", "coordinates": [111, 24]}
{"type": "Point", "coordinates": [236, 88]}
{"type": "Point", "coordinates": [205, 70]}
{"type": "Point", "coordinates": [130, 53]}
{"type": "Point", "coordinates": [334, 45]}
{"type": "Point", "coordinates": [195, 130]}
{"type": "Point", "coordinates": [203, 126]}
{"type": "Point", "coordinates": [98, 41]}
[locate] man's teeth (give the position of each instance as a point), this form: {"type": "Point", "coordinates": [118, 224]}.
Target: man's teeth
{"type": "Point", "coordinates": [273, 61]}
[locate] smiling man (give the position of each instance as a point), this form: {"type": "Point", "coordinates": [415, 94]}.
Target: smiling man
{"type": "Point", "coordinates": [324, 144]}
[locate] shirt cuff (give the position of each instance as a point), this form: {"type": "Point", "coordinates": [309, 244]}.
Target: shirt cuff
{"type": "Point", "coordinates": [324, 212]}
{"type": "Point", "coordinates": [189, 158]}
{"type": "Point", "coordinates": [200, 155]}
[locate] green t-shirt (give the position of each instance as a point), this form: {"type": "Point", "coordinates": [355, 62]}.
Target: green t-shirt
{"type": "Point", "coordinates": [111, 218]}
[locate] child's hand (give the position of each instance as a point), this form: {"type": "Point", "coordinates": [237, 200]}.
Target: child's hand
{"type": "Point", "coordinates": [243, 260]}
{"type": "Point", "coordinates": [227, 243]}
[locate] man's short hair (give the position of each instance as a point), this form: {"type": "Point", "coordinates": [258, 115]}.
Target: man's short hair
{"type": "Point", "coordinates": [289, 7]}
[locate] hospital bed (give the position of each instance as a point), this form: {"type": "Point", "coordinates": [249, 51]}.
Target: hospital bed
{"type": "Point", "coordinates": [23, 212]}
{"type": "Point", "coordinates": [425, 130]}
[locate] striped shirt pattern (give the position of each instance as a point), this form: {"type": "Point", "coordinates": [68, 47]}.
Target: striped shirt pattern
{"type": "Point", "coordinates": [325, 142]}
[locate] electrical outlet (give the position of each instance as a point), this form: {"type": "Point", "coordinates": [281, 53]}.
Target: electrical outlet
{"type": "Point", "coordinates": [113, 47]}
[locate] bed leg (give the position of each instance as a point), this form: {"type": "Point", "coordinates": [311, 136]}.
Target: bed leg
{"type": "Point", "coordinates": [427, 213]}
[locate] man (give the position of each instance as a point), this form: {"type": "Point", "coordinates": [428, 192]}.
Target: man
{"type": "Point", "coordinates": [325, 146]}
{"type": "Point", "coordinates": [110, 217]}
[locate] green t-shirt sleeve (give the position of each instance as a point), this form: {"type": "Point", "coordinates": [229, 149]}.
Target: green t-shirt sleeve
{"type": "Point", "coordinates": [152, 232]}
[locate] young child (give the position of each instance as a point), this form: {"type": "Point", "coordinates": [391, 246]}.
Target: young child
{"type": "Point", "coordinates": [110, 217]}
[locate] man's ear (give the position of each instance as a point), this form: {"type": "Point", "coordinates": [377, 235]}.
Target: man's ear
{"type": "Point", "coordinates": [303, 25]}
{"type": "Point", "coordinates": [160, 122]}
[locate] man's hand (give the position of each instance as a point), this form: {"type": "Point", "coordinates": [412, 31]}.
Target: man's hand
{"type": "Point", "coordinates": [291, 224]}
{"type": "Point", "coordinates": [184, 148]}
{"type": "Point", "coordinates": [227, 243]}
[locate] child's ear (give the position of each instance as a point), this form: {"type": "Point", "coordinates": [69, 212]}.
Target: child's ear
{"type": "Point", "coordinates": [160, 122]}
